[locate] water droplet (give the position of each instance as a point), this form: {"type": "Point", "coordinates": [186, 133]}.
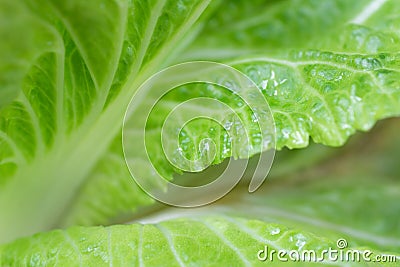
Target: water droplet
{"type": "Point", "coordinates": [264, 84]}
{"type": "Point", "coordinates": [272, 74]}
{"type": "Point", "coordinates": [300, 240]}
{"type": "Point", "coordinates": [206, 146]}
{"type": "Point", "coordinates": [267, 142]}
{"type": "Point", "coordinates": [367, 63]}
{"type": "Point", "coordinates": [228, 125]}
{"type": "Point", "coordinates": [254, 118]}
{"type": "Point", "coordinates": [286, 132]}
{"type": "Point", "coordinates": [300, 244]}
{"type": "Point", "coordinates": [53, 251]}
{"type": "Point", "coordinates": [275, 231]}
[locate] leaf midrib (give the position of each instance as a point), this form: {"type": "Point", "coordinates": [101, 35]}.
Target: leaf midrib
{"type": "Point", "coordinates": [84, 143]}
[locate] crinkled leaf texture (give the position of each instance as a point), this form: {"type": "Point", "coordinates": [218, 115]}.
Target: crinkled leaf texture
{"type": "Point", "coordinates": [325, 86]}
{"type": "Point", "coordinates": [327, 68]}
